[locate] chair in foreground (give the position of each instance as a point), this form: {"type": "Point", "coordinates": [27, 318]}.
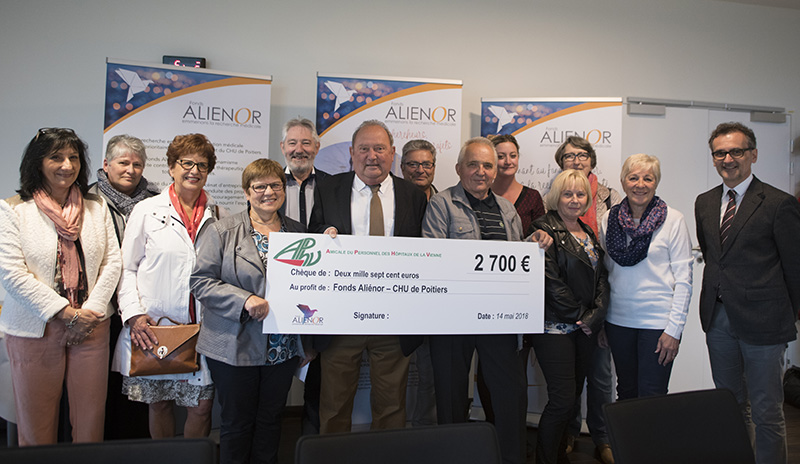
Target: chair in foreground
{"type": "Point", "coordinates": [167, 451]}
{"type": "Point", "coordinates": [454, 443]}
{"type": "Point", "coordinates": [700, 427]}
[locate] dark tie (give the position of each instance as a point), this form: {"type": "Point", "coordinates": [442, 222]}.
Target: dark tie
{"type": "Point", "coordinates": [727, 218]}
{"type": "Point", "coordinates": [375, 212]}
{"type": "Point", "coordinates": [303, 219]}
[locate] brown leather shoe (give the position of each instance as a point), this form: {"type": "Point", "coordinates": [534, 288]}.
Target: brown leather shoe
{"type": "Point", "coordinates": [604, 454]}
{"type": "Point", "coordinates": [570, 443]}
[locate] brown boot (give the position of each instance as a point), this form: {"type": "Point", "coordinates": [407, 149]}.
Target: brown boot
{"type": "Point", "coordinates": [604, 454]}
{"type": "Point", "coordinates": [570, 443]}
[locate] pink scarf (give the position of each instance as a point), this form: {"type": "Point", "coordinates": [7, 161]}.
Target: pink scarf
{"type": "Point", "coordinates": [68, 221]}
{"type": "Point", "coordinates": [590, 218]}
{"type": "Point", "coordinates": [192, 224]}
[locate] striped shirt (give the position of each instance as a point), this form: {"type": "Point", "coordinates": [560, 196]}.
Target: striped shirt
{"type": "Point", "coordinates": [487, 211]}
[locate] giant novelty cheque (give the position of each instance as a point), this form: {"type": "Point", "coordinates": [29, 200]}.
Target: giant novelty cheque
{"type": "Point", "coordinates": [399, 285]}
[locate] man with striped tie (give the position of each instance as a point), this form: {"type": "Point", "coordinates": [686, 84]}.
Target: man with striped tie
{"type": "Point", "coordinates": [748, 233]}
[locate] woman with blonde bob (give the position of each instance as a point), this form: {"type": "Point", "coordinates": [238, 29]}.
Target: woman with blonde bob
{"type": "Point", "coordinates": [576, 296]}
{"type": "Point", "coordinates": [577, 153]}
{"type": "Point", "coordinates": [649, 261]}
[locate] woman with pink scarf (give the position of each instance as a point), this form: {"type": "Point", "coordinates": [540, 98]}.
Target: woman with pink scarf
{"type": "Point", "coordinates": [158, 255]}
{"type": "Point", "coordinates": [59, 264]}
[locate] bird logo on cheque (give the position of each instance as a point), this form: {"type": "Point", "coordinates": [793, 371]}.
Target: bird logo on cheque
{"type": "Point", "coordinates": [308, 317]}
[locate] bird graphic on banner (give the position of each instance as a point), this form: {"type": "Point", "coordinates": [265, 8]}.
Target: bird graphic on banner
{"type": "Point", "coordinates": [342, 93]}
{"type": "Point", "coordinates": [135, 83]}
{"type": "Point", "coordinates": [503, 116]}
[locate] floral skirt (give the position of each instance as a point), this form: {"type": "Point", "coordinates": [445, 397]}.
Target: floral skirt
{"type": "Point", "coordinates": [150, 391]}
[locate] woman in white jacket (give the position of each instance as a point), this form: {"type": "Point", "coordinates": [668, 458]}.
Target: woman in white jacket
{"type": "Point", "coordinates": [158, 254]}
{"type": "Point", "coordinates": [59, 264]}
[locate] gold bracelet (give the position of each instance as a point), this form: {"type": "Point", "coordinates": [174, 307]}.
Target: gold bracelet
{"type": "Point", "coordinates": [71, 323]}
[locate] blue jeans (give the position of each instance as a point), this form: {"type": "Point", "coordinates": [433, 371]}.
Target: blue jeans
{"type": "Point", "coordinates": [599, 390]}
{"type": "Point", "coordinates": [638, 372]}
{"type": "Point", "coordinates": [754, 373]}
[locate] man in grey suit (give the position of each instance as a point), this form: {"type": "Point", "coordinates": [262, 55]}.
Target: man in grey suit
{"type": "Point", "coordinates": [748, 232]}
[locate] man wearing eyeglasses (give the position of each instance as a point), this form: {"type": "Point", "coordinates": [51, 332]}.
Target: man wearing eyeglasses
{"type": "Point", "coordinates": [419, 165]}
{"type": "Point", "coordinates": [366, 201]}
{"type": "Point", "coordinates": [748, 233]}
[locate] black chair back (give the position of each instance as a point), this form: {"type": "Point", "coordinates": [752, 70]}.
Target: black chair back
{"type": "Point", "coordinates": [693, 427]}
{"type": "Point", "coordinates": [147, 451]}
{"type": "Point", "coordinates": [470, 443]}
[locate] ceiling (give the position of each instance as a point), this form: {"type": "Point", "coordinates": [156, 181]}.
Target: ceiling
{"type": "Point", "coordinates": [794, 4]}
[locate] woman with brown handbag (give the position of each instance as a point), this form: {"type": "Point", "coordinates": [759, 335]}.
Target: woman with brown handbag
{"type": "Point", "coordinates": [158, 257]}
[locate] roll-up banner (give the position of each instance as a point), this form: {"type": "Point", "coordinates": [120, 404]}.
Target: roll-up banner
{"type": "Point", "coordinates": [541, 125]}
{"type": "Point", "coordinates": [412, 108]}
{"type": "Point", "coordinates": [156, 102]}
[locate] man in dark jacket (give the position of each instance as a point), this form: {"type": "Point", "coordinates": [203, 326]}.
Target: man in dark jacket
{"type": "Point", "coordinates": [748, 233]}
{"type": "Point", "coordinates": [366, 201]}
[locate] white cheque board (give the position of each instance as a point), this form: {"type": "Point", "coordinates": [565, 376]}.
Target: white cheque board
{"type": "Point", "coordinates": [395, 285]}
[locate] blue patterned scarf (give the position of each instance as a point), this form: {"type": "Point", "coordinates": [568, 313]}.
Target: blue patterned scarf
{"type": "Point", "coordinates": [621, 225]}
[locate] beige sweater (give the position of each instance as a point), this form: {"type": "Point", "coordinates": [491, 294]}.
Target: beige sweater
{"type": "Point", "coordinates": [28, 249]}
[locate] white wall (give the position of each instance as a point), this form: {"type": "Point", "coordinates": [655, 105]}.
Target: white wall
{"type": "Point", "coordinates": [52, 53]}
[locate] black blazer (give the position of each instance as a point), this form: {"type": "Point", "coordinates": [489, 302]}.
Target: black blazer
{"type": "Point", "coordinates": [757, 273]}
{"type": "Point", "coordinates": [332, 208]}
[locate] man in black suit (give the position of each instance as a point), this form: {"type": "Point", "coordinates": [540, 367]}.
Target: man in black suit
{"type": "Point", "coordinates": [300, 145]}
{"type": "Point", "coordinates": [751, 285]}
{"type": "Point", "coordinates": [367, 201]}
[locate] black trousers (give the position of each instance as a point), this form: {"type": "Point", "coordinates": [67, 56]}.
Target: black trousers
{"type": "Point", "coordinates": [452, 357]}
{"type": "Point", "coordinates": [564, 360]}
{"type": "Point", "coordinates": [309, 421]}
{"type": "Point", "coordinates": [252, 400]}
